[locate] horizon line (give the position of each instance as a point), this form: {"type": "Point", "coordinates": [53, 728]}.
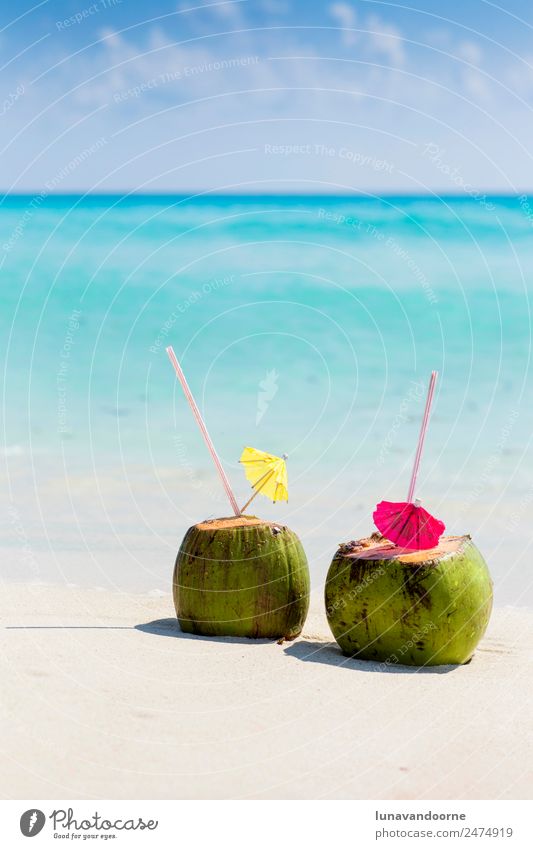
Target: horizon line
{"type": "Point", "coordinates": [127, 193]}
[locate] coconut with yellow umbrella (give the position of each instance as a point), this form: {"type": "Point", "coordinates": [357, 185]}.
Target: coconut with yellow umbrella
{"type": "Point", "coordinates": [241, 576]}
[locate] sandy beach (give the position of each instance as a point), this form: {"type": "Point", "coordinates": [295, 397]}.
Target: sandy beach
{"type": "Point", "coordinates": [106, 698]}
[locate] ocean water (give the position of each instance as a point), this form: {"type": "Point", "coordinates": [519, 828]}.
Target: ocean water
{"type": "Point", "coordinates": [305, 325]}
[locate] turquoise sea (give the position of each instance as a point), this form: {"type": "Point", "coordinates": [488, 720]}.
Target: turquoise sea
{"type": "Point", "coordinates": [305, 325]}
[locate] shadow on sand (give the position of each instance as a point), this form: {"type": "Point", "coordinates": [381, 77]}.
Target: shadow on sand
{"type": "Point", "coordinates": [308, 651]}
{"type": "Point", "coordinates": [311, 651]}
{"type": "Point", "coordinates": [171, 628]}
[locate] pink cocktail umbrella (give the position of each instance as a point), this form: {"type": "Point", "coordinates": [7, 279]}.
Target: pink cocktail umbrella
{"type": "Point", "coordinates": [201, 424]}
{"type": "Point", "coordinates": [406, 523]}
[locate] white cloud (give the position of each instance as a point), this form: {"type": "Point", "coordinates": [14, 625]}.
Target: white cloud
{"type": "Point", "coordinates": [141, 77]}
{"type": "Point", "coordinates": [112, 38]}
{"type": "Point", "coordinates": [345, 15]}
{"type": "Point", "coordinates": [470, 52]}
{"type": "Point", "coordinates": [275, 7]}
{"type": "Point", "coordinates": [230, 11]}
{"type": "Point", "coordinates": [385, 40]}
{"type": "Point", "coordinates": [519, 77]}
{"type": "Point", "coordinates": [476, 85]}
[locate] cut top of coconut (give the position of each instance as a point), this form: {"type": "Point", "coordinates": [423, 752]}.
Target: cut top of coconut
{"type": "Point", "coordinates": [231, 522]}
{"type": "Point", "coordinates": [377, 547]}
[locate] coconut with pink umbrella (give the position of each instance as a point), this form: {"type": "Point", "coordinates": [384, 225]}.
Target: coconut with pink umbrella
{"type": "Point", "coordinates": [408, 594]}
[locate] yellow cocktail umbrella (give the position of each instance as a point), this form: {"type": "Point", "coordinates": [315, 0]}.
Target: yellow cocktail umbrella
{"type": "Point", "coordinates": [267, 474]}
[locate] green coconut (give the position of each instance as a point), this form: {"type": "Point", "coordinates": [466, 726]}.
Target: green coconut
{"type": "Point", "coordinates": [241, 577]}
{"type": "Point", "coordinates": [421, 608]}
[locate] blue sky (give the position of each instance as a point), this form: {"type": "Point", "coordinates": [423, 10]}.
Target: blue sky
{"type": "Point", "coordinates": [266, 96]}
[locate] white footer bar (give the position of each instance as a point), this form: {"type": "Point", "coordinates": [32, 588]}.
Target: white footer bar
{"type": "Point", "coordinates": [267, 824]}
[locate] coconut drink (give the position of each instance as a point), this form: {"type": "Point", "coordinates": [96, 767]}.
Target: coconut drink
{"type": "Point", "coordinates": [408, 594]}
{"type": "Point", "coordinates": [241, 576]}
{"type": "Point", "coordinates": [420, 608]}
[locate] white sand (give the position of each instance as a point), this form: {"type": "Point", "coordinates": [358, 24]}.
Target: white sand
{"type": "Point", "coordinates": [99, 703]}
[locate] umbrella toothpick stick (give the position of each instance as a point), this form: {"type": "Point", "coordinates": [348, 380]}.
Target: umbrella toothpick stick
{"type": "Point", "coordinates": [265, 478]}
{"type": "Point", "coordinates": [407, 523]}
{"type": "Point", "coordinates": [422, 436]}
{"type": "Point", "coordinates": [203, 430]}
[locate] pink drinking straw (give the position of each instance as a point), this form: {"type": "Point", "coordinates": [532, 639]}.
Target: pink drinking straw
{"type": "Point", "coordinates": [422, 436]}
{"type": "Point", "coordinates": [201, 425]}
